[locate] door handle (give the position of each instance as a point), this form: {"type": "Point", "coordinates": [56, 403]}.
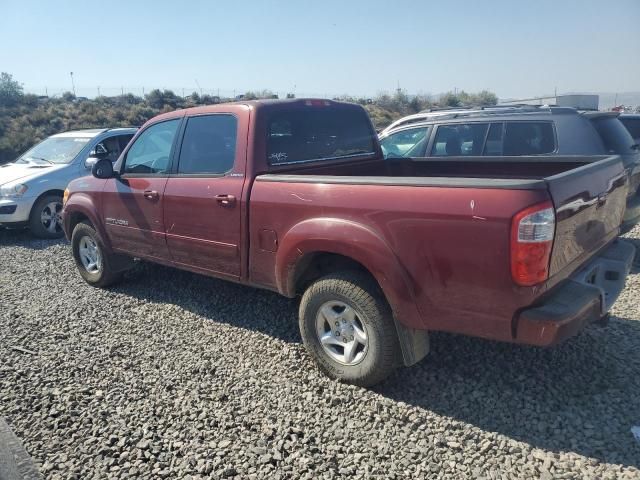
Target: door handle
{"type": "Point", "coordinates": [150, 194]}
{"type": "Point", "coordinates": [226, 200]}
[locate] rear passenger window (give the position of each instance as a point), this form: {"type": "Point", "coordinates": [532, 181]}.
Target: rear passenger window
{"type": "Point", "coordinates": [529, 138]}
{"type": "Point", "coordinates": [633, 125]}
{"type": "Point", "coordinates": [209, 145]}
{"type": "Point", "coordinates": [493, 147]}
{"type": "Point", "coordinates": [614, 135]}
{"type": "Point", "coordinates": [459, 140]}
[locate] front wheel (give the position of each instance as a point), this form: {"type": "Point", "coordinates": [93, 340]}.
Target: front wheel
{"type": "Point", "coordinates": [348, 329]}
{"type": "Point", "coordinates": [44, 220]}
{"type": "Point", "coordinates": [94, 264]}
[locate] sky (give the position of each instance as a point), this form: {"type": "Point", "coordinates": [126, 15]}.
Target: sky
{"type": "Point", "coordinates": [514, 48]}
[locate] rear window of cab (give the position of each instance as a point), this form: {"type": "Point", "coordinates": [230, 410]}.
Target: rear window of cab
{"type": "Point", "coordinates": [318, 133]}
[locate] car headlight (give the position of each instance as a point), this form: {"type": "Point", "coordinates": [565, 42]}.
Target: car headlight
{"type": "Point", "coordinates": [13, 190]}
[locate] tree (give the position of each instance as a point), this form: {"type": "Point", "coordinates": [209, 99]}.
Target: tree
{"type": "Point", "coordinates": [486, 98]}
{"type": "Point", "coordinates": [10, 90]}
{"type": "Point", "coordinates": [155, 98]}
{"type": "Point", "coordinates": [450, 99]}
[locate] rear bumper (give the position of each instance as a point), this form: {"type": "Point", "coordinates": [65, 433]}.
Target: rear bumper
{"type": "Point", "coordinates": [585, 297]}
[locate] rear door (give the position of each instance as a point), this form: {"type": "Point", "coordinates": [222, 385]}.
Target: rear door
{"type": "Point", "coordinates": [590, 202]}
{"type": "Point", "coordinates": [202, 197]}
{"type": "Point", "coordinates": [133, 203]}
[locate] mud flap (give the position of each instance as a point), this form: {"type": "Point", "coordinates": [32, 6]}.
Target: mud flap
{"type": "Point", "coordinates": [413, 343]}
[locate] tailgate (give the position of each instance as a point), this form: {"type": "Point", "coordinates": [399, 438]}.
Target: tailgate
{"type": "Point", "coordinates": [590, 203]}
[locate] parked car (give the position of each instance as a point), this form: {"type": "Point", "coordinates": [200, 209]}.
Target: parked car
{"type": "Point", "coordinates": [631, 121]}
{"type": "Point", "coordinates": [295, 196]}
{"type": "Point", "coordinates": [514, 131]}
{"type": "Point", "coordinates": [31, 186]}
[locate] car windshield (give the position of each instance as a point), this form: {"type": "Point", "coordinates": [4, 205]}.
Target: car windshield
{"type": "Point", "coordinates": [54, 150]}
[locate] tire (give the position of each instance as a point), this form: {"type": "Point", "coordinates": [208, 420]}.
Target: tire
{"type": "Point", "coordinates": [44, 220]}
{"type": "Point", "coordinates": [360, 318]}
{"type": "Point", "coordinates": [94, 264]}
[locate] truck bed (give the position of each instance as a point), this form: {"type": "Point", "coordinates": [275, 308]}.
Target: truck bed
{"type": "Point", "coordinates": [451, 234]}
{"type": "Point", "coordinates": [487, 168]}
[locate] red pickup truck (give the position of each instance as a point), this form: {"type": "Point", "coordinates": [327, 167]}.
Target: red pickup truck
{"type": "Point", "coordinates": [296, 197]}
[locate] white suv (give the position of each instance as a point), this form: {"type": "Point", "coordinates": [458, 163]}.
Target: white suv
{"type": "Point", "coordinates": [31, 187]}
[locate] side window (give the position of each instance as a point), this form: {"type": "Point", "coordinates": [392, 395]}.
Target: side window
{"type": "Point", "coordinates": [124, 141]}
{"type": "Point", "coordinates": [406, 143]}
{"type": "Point", "coordinates": [459, 140]}
{"type": "Point", "coordinates": [111, 147]}
{"type": "Point", "coordinates": [209, 144]}
{"type": "Point", "coordinates": [493, 147]}
{"type": "Point", "coordinates": [151, 151]}
{"type": "Point", "coordinates": [529, 138]}
{"type": "Point", "coordinates": [633, 125]}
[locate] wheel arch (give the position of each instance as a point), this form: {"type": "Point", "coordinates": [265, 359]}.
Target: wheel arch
{"type": "Point", "coordinates": [52, 191]}
{"type": "Point", "coordinates": [314, 248]}
{"type": "Point", "coordinates": [80, 207]}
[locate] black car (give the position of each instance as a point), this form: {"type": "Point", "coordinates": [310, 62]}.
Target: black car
{"type": "Point", "coordinates": [516, 131]}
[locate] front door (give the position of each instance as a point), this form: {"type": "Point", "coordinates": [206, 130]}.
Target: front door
{"type": "Point", "coordinates": [133, 202]}
{"type": "Point", "coordinates": [202, 199]}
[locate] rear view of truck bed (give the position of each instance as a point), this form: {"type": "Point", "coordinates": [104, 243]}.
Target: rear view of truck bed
{"type": "Point", "coordinates": [449, 224]}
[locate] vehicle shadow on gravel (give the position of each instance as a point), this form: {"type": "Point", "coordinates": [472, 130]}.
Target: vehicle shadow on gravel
{"type": "Point", "coordinates": [213, 299]}
{"type": "Point", "coordinates": [22, 237]}
{"type": "Point", "coordinates": [582, 396]}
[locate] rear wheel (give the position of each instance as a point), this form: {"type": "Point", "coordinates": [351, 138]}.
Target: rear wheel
{"type": "Point", "coordinates": [44, 220]}
{"type": "Point", "coordinates": [347, 327]}
{"type": "Point", "coordinates": [94, 264]}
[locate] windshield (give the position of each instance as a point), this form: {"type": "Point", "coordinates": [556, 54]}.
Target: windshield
{"type": "Point", "coordinates": [54, 150]}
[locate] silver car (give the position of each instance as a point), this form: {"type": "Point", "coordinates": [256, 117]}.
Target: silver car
{"type": "Point", "coordinates": [31, 187]}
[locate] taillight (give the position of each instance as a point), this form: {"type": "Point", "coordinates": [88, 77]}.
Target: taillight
{"type": "Point", "coordinates": [532, 232]}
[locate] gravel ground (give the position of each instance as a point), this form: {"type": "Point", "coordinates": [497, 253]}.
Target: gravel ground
{"type": "Point", "coordinates": [173, 375]}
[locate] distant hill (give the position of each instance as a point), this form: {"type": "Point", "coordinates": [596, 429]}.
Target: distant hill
{"type": "Point", "coordinates": [607, 99]}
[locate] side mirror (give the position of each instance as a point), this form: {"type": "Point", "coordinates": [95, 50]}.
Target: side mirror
{"type": "Point", "coordinates": [103, 169]}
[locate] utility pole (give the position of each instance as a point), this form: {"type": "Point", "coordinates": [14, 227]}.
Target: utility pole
{"type": "Point", "coordinates": [122, 90]}
{"type": "Point", "coordinates": [98, 90]}
{"type": "Point", "coordinates": [199, 87]}
{"type": "Point", "coordinates": [73, 86]}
